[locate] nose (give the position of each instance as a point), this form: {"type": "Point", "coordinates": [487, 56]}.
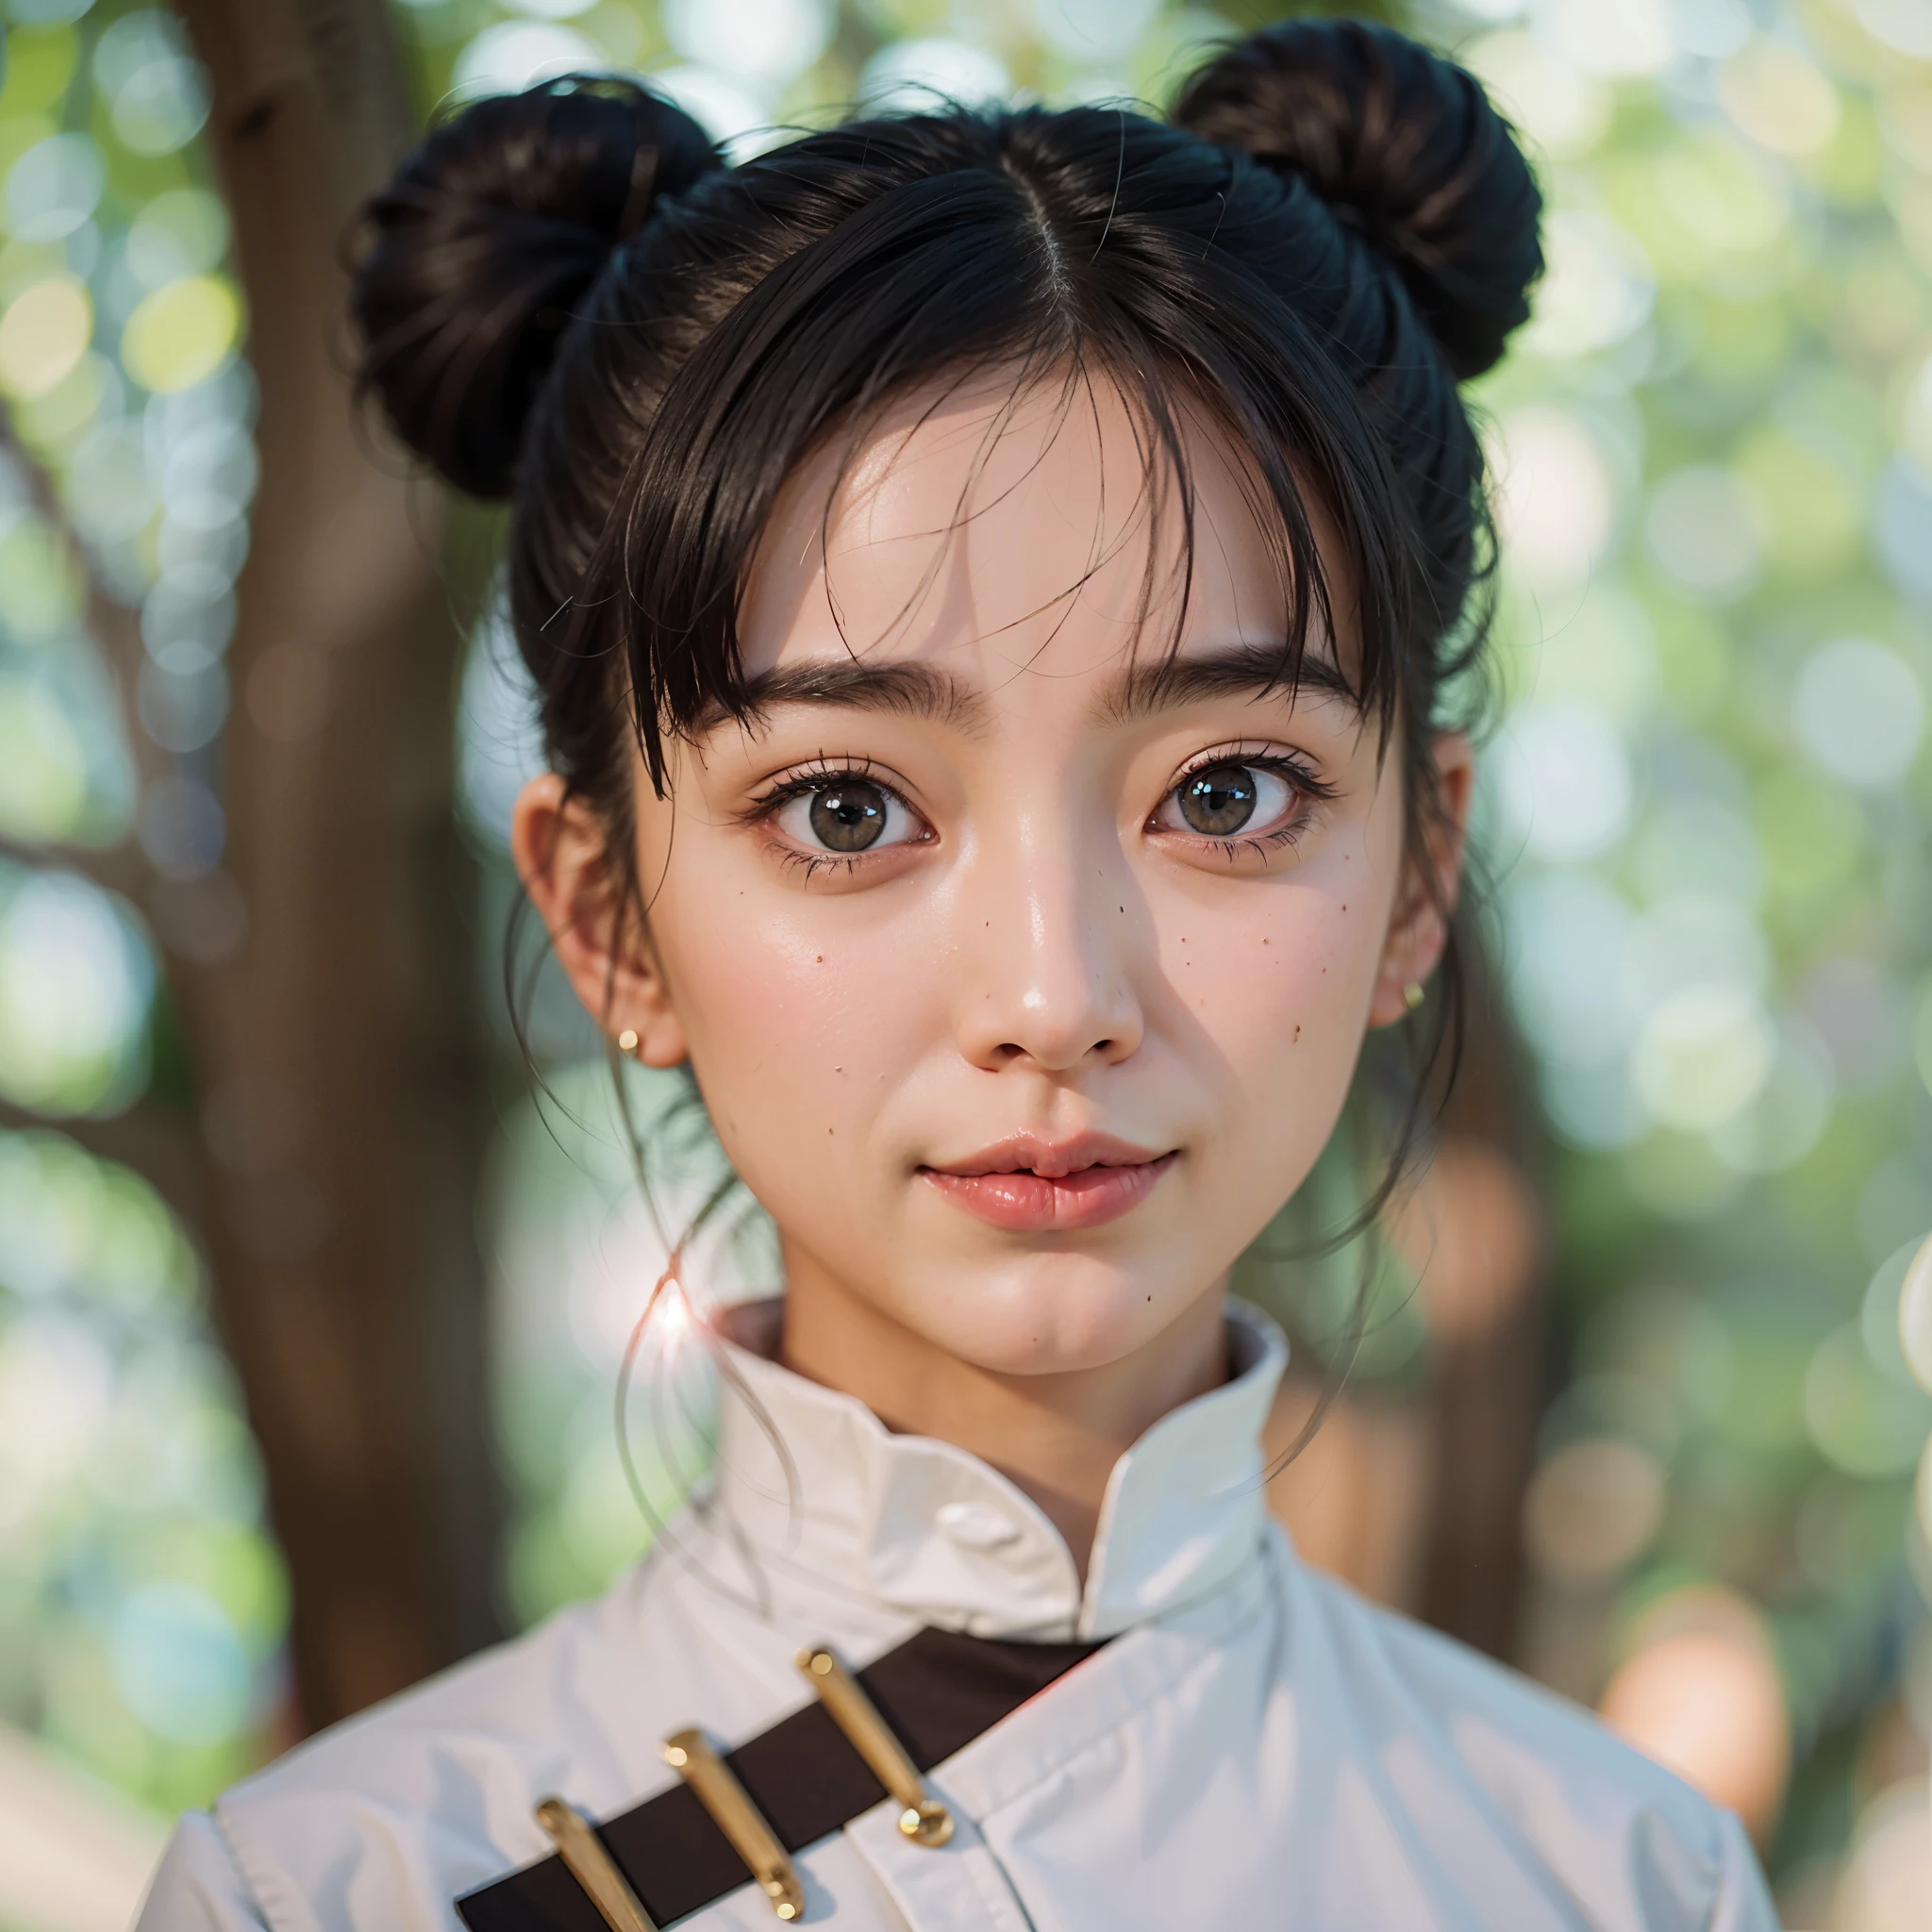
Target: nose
{"type": "Point", "coordinates": [1048, 974]}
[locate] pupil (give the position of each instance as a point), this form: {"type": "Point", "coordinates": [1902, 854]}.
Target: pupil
{"type": "Point", "coordinates": [1219, 800]}
{"type": "Point", "coordinates": [848, 818]}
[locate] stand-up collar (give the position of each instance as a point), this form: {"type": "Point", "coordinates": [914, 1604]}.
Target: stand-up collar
{"type": "Point", "coordinates": [926, 1529]}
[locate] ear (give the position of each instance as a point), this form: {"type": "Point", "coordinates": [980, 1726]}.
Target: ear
{"type": "Point", "coordinates": [1419, 929]}
{"type": "Point", "coordinates": [563, 857]}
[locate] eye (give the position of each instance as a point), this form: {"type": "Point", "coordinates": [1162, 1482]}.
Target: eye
{"type": "Point", "coordinates": [846, 816]}
{"type": "Point", "coordinates": [1219, 800]}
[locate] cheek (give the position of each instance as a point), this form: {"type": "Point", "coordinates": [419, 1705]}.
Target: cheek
{"type": "Point", "coordinates": [1287, 992]}
{"type": "Point", "coordinates": [1279, 990]}
{"type": "Point", "coordinates": [796, 1032]}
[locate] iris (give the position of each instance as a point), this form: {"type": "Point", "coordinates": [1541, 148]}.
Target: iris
{"type": "Point", "coordinates": [849, 817]}
{"type": "Point", "coordinates": [1219, 801]}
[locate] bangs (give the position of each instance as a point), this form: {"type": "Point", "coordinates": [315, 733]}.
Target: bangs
{"type": "Point", "coordinates": [961, 282]}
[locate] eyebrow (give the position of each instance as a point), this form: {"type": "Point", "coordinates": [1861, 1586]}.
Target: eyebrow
{"type": "Point", "coordinates": [935, 696]}
{"type": "Point", "coordinates": [904, 690]}
{"type": "Point", "coordinates": [1256, 670]}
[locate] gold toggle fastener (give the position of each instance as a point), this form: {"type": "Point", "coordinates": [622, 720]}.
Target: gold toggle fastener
{"type": "Point", "coordinates": [732, 1811]}
{"type": "Point", "coordinates": [922, 1818]}
{"type": "Point", "coordinates": [586, 1861]}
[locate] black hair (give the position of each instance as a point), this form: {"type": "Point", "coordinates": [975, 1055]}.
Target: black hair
{"type": "Point", "coordinates": [570, 301]}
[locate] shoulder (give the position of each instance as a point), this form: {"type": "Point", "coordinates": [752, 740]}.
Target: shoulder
{"type": "Point", "coordinates": [198, 1887]}
{"type": "Point", "coordinates": [383, 1819]}
{"type": "Point", "coordinates": [1608, 1823]}
{"type": "Point", "coordinates": [1492, 1717]}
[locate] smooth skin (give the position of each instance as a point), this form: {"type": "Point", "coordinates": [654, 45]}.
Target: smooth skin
{"type": "Point", "coordinates": [961, 650]}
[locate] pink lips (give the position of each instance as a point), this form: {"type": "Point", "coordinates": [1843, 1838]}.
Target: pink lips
{"type": "Point", "coordinates": [1023, 1185]}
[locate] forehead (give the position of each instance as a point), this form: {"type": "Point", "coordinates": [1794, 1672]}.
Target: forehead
{"type": "Point", "coordinates": [1004, 527]}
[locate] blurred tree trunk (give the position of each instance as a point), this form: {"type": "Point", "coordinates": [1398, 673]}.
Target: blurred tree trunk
{"type": "Point", "coordinates": [1415, 1495]}
{"type": "Point", "coordinates": [338, 1051]}
{"type": "Point", "coordinates": [1491, 1328]}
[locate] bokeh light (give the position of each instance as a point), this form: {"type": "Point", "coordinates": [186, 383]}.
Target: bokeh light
{"type": "Point", "coordinates": [155, 91]}
{"type": "Point", "coordinates": [1883, 1884]}
{"type": "Point", "coordinates": [1554, 495]}
{"type": "Point", "coordinates": [518, 54]}
{"type": "Point", "coordinates": [53, 188]}
{"type": "Point", "coordinates": [771, 41]}
{"type": "Point", "coordinates": [180, 1664]}
{"type": "Point", "coordinates": [144, 1609]}
{"type": "Point", "coordinates": [43, 334]}
{"type": "Point", "coordinates": [1706, 1702]}
{"type": "Point", "coordinates": [1915, 1314]}
{"type": "Point", "coordinates": [181, 333]}
{"type": "Point", "coordinates": [911, 75]}
{"type": "Point", "coordinates": [145, 1606]}
{"type": "Point", "coordinates": [76, 980]}
{"type": "Point", "coordinates": [1593, 1509]}
{"type": "Point", "coordinates": [566, 1207]}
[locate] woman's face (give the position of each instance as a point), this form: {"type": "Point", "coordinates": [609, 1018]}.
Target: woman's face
{"type": "Point", "coordinates": [1022, 962]}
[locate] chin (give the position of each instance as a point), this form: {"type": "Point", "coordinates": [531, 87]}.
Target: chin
{"type": "Point", "coordinates": [1046, 1313]}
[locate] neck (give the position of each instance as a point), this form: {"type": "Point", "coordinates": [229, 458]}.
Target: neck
{"type": "Point", "coordinates": [1055, 1436]}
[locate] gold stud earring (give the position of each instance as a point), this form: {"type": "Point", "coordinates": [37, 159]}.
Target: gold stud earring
{"type": "Point", "coordinates": [1412, 994]}
{"type": "Point", "coordinates": [627, 1041]}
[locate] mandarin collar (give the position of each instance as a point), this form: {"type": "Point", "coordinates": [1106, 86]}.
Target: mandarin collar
{"type": "Point", "coordinates": [926, 1530]}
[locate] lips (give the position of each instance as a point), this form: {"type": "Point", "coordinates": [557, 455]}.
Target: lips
{"type": "Point", "coordinates": [1025, 1185]}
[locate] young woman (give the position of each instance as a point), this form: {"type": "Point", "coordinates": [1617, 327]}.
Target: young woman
{"type": "Point", "coordinates": [991, 580]}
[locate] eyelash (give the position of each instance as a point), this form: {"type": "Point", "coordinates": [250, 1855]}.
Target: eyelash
{"type": "Point", "coordinates": [822, 774]}
{"type": "Point", "coordinates": [819, 775]}
{"type": "Point", "coordinates": [1293, 771]}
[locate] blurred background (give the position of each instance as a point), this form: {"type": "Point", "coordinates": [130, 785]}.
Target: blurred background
{"type": "Point", "coordinates": [310, 1313]}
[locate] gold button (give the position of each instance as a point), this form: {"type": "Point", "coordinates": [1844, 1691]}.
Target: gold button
{"type": "Point", "coordinates": [922, 1819]}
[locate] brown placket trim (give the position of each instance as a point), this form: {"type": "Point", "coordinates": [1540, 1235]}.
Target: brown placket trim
{"type": "Point", "coordinates": [938, 1691]}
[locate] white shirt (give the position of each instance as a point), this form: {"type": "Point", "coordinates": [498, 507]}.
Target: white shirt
{"type": "Point", "coordinates": [1257, 1747]}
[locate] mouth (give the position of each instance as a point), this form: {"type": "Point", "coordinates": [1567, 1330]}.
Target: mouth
{"type": "Point", "coordinates": [1024, 1184]}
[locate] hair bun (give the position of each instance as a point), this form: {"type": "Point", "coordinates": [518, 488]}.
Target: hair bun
{"type": "Point", "coordinates": [1403, 145]}
{"type": "Point", "coordinates": [478, 252]}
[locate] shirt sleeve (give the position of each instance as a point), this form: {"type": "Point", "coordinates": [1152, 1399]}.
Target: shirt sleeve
{"type": "Point", "coordinates": [1744, 1900]}
{"type": "Point", "coordinates": [198, 1887]}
